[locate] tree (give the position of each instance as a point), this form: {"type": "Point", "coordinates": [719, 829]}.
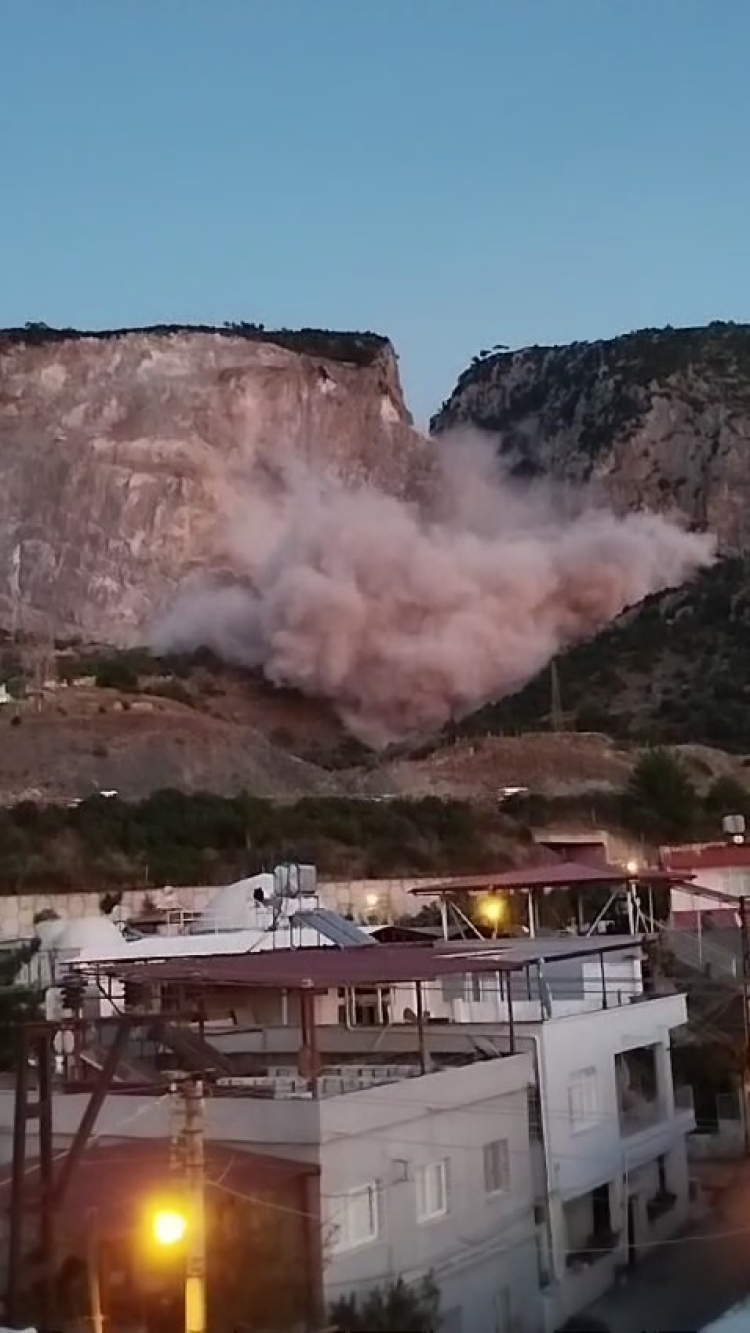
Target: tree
{"type": "Point", "coordinates": [398, 1308]}
{"type": "Point", "coordinates": [117, 674]}
{"type": "Point", "coordinates": [17, 1002]}
{"type": "Point", "coordinates": [727, 796]}
{"type": "Point", "coordinates": [660, 797]}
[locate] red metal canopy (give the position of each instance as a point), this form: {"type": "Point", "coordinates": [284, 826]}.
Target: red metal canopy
{"type": "Point", "coordinates": [559, 875]}
{"type": "Point", "coordinates": [304, 969]}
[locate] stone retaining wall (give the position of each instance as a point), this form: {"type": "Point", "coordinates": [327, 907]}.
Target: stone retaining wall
{"type": "Point", "coordinates": [375, 899]}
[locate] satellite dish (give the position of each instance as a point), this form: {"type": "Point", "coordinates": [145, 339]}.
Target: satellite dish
{"type": "Point", "coordinates": [259, 896]}
{"type": "Point", "coordinates": [410, 1016]}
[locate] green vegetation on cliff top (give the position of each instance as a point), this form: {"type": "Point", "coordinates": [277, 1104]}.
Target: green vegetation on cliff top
{"type": "Point", "coordinates": [331, 345]}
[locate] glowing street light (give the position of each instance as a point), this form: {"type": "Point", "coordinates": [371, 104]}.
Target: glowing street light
{"type": "Point", "coordinates": [168, 1226]}
{"type": "Point", "coordinates": [492, 911]}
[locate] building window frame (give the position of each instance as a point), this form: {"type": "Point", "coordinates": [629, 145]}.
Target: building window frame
{"type": "Point", "coordinates": [496, 1164]}
{"type": "Point", "coordinates": [583, 1099]}
{"type": "Point", "coordinates": [432, 1185]}
{"type": "Point", "coordinates": [347, 1233]}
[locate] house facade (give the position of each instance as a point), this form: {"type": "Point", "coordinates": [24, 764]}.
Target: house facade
{"type": "Point", "coordinates": [417, 1175]}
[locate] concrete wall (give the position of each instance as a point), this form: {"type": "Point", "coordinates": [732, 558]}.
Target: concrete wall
{"type": "Point", "coordinates": [580, 1159]}
{"type": "Point", "coordinates": [383, 899]}
{"type": "Point", "coordinates": [283, 1128]}
{"type": "Point", "coordinates": [483, 1251]}
{"type": "Point", "coordinates": [584, 1158]}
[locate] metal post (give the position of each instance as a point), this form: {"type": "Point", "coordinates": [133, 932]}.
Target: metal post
{"type": "Point", "coordinates": [745, 1021]}
{"type": "Point", "coordinates": [420, 1028]}
{"type": "Point", "coordinates": [94, 1272]}
{"type": "Point", "coordinates": [46, 1177]}
{"type": "Point", "coordinates": [630, 895]}
{"type": "Point", "coordinates": [195, 1182]}
{"type": "Point", "coordinates": [18, 1180]}
{"type": "Point", "coordinates": [444, 916]}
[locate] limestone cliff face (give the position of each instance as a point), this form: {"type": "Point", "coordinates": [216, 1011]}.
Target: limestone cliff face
{"type": "Point", "coordinates": [118, 453]}
{"type": "Point", "coordinates": [658, 419]}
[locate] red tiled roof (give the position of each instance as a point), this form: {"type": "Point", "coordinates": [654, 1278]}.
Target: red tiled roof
{"type": "Point", "coordinates": [718, 856]}
{"type": "Point", "coordinates": [560, 874]}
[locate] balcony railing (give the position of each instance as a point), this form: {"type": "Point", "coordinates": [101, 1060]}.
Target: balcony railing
{"type": "Point", "coordinates": [683, 1097]}
{"type": "Point", "coordinates": [662, 1202]}
{"type": "Point", "coordinates": [640, 1114]}
{"type": "Point", "coordinates": [598, 1246]}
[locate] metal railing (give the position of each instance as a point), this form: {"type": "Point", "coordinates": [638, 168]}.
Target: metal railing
{"type": "Point", "coordinates": [700, 952]}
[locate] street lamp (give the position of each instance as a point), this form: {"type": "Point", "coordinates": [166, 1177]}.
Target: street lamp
{"type": "Point", "coordinates": [492, 910]}
{"type": "Point", "coordinates": [168, 1227]}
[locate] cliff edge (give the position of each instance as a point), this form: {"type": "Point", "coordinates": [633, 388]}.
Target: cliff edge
{"type": "Point", "coordinates": [120, 451]}
{"type": "Point", "coordinates": [658, 419]}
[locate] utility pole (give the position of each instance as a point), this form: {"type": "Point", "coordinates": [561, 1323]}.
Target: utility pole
{"type": "Point", "coordinates": [745, 1020]}
{"type": "Point", "coordinates": [195, 1189]}
{"type": "Point", "coordinates": [94, 1271]}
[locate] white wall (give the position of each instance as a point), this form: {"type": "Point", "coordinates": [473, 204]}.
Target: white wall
{"type": "Point", "coordinates": [483, 1251]}
{"type": "Point", "coordinates": [580, 1160]}
{"type": "Point", "coordinates": [283, 1128]}
{"type": "Point", "coordinates": [393, 899]}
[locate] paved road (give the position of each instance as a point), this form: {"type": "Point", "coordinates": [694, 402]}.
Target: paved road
{"type": "Point", "coordinates": [690, 1282]}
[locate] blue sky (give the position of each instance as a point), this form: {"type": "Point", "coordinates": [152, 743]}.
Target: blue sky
{"type": "Point", "coordinates": [454, 173]}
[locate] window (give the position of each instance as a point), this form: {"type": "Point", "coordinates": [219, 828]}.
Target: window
{"type": "Point", "coordinates": [356, 1217]}
{"type": "Point", "coordinates": [453, 987]}
{"type": "Point", "coordinates": [496, 1167]}
{"type": "Point", "coordinates": [535, 1114]}
{"type": "Point", "coordinates": [432, 1191]}
{"type": "Point", "coordinates": [583, 1100]}
{"type": "Point", "coordinates": [361, 1006]}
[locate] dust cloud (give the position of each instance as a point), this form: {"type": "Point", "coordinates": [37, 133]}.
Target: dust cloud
{"type": "Point", "coordinates": [404, 615]}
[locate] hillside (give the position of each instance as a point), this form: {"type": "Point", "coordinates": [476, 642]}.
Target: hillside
{"type": "Point", "coordinates": [657, 419]}
{"type": "Point", "coordinates": [674, 669]}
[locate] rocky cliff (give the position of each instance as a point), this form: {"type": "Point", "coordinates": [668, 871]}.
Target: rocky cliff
{"type": "Point", "coordinates": [658, 419]}
{"type": "Point", "coordinates": [120, 452]}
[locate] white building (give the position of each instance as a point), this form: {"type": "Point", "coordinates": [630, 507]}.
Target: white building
{"type": "Point", "coordinates": [721, 868]}
{"type": "Point", "coordinates": [607, 1151]}
{"type": "Point", "coordinates": [610, 1154]}
{"type": "Point", "coordinates": [419, 1174]}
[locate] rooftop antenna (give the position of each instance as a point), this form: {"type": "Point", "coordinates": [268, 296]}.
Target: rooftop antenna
{"type": "Point", "coordinates": [555, 708]}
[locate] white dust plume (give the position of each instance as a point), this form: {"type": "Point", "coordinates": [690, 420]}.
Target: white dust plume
{"type": "Point", "coordinates": [405, 615]}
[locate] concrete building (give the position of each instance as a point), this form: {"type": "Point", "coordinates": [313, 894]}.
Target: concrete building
{"type": "Point", "coordinates": [420, 1144]}
{"type": "Point", "coordinates": [608, 1147]}
{"type": "Point", "coordinates": [721, 867]}
{"type": "Point", "coordinates": [609, 1127]}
